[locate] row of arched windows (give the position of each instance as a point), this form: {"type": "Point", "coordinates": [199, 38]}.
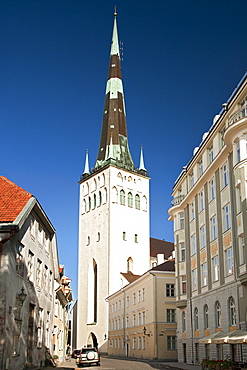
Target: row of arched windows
{"type": "Point", "coordinates": [217, 315]}
{"type": "Point", "coordinates": [94, 201]}
{"type": "Point", "coordinates": [94, 185]}
{"type": "Point", "coordinates": [130, 200]}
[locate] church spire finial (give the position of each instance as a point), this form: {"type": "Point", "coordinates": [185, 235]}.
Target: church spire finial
{"type": "Point", "coordinates": [142, 166]}
{"type": "Point", "coordinates": [86, 168]}
{"type": "Point", "coordinates": [115, 11]}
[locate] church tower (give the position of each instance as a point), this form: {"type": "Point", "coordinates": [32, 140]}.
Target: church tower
{"type": "Point", "coordinates": [113, 215]}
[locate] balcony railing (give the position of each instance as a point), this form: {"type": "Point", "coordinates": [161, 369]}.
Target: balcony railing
{"type": "Point", "coordinates": [238, 115]}
{"type": "Point", "coordinates": [177, 200]}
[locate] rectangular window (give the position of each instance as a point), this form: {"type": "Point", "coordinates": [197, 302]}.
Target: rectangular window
{"type": "Point", "coordinates": [216, 269]}
{"type": "Point", "coordinates": [183, 284]}
{"type": "Point", "coordinates": [224, 171]}
{"type": "Point", "coordinates": [139, 343]}
{"type": "Point", "coordinates": [213, 223]}
{"type": "Point", "coordinates": [200, 168]}
{"type": "Point", "coordinates": [134, 298]}
{"type": "Point", "coordinates": [134, 343]}
{"type": "Point", "coordinates": [201, 201]}
{"type": "Point", "coordinates": [40, 328]}
{"type": "Point", "coordinates": [171, 342]}
{"type": "Point", "coordinates": [30, 265]}
{"type": "Point", "coordinates": [194, 279]}
{"type": "Point", "coordinates": [210, 154]}
{"type": "Point", "coordinates": [134, 319]}
{"type": "Point", "coordinates": [38, 273]}
{"type": "Point", "coordinates": [124, 235]}
{"type": "Point", "coordinates": [193, 244]}
{"type": "Point", "coordinates": [181, 220]}
{"type": "Point", "coordinates": [143, 343]}
{"type": "Point", "coordinates": [203, 236]}
{"type": "Point", "coordinates": [226, 216]}
{"type": "Point", "coordinates": [139, 296]}
{"type": "Point", "coordinates": [170, 315]}
{"type": "Point", "coordinates": [192, 179]}
{"type": "Point", "coordinates": [170, 290]}
{"type": "Point", "coordinates": [139, 318]}
{"type": "Point", "coordinates": [238, 199]}
{"type": "Point", "coordinates": [182, 251]}
{"type": "Point", "coordinates": [143, 317]}
{"type": "Point", "coordinates": [212, 189]}
{"type": "Point", "coordinates": [192, 211]}
{"type": "Point", "coordinates": [241, 246]}
{"type": "Point", "coordinates": [19, 264]}
{"type": "Point", "coordinates": [127, 321]}
{"type": "Point", "coordinates": [229, 261]}
{"type": "Point", "coordinates": [136, 238]}
{"type": "Point", "coordinates": [32, 227]}
{"type": "Point", "coordinates": [127, 301]}
{"type": "Point", "coordinates": [143, 294]}
{"type": "Point", "coordinates": [204, 274]}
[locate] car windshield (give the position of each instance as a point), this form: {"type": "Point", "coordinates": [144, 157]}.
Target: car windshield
{"type": "Point", "coordinates": [86, 350]}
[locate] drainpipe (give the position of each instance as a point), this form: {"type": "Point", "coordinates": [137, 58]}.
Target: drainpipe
{"type": "Point", "coordinates": [155, 319]}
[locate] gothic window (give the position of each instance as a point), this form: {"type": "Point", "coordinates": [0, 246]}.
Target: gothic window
{"type": "Point", "coordinates": [217, 314]}
{"type": "Point", "coordinates": [130, 199]}
{"type": "Point", "coordinates": [94, 200]}
{"type": "Point", "coordinates": [144, 203]}
{"type": "Point", "coordinates": [122, 197]}
{"type": "Point", "coordinates": [206, 317]}
{"type": "Point", "coordinates": [137, 201]}
{"type": "Point", "coordinates": [196, 322]}
{"type": "Point", "coordinates": [89, 203]}
{"type": "Point", "coordinates": [114, 195]}
{"type": "Point", "coordinates": [100, 198]}
{"type": "Point", "coordinates": [83, 206]}
{"type": "Point", "coordinates": [232, 312]}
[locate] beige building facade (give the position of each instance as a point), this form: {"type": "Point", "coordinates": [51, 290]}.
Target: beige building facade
{"type": "Point", "coordinates": [142, 316]}
{"type": "Point", "coordinates": [210, 235]}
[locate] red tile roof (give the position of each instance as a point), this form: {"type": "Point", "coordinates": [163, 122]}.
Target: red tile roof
{"type": "Point", "coordinates": [12, 200]}
{"type": "Point", "coordinates": [160, 246]}
{"type": "Point", "coordinates": [129, 276]}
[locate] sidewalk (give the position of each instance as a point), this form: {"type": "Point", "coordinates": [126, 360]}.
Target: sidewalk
{"type": "Point", "coordinates": [179, 365]}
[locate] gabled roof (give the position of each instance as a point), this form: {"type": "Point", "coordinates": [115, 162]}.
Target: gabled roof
{"type": "Point", "coordinates": [166, 266]}
{"type": "Point", "coordinates": [161, 246]}
{"type": "Point", "coordinates": [12, 200]}
{"type": "Point", "coordinates": [129, 276]}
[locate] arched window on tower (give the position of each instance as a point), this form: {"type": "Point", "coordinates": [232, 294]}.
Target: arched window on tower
{"type": "Point", "coordinates": [89, 203]}
{"type": "Point", "coordinates": [122, 197]}
{"type": "Point", "coordinates": [137, 201]}
{"type": "Point", "coordinates": [144, 203]}
{"type": "Point", "coordinates": [94, 200]}
{"type": "Point", "coordinates": [130, 199]}
{"type": "Point", "coordinates": [114, 195]}
{"type": "Point", "coordinates": [129, 264]}
{"type": "Point", "coordinates": [100, 198]}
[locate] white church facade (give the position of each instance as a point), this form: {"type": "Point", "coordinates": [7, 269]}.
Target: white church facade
{"type": "Point", "coordinates": [114, 232]}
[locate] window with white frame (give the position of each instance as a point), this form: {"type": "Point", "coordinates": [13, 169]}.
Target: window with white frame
{"type": "Point", "coordinates": [238, 151]}
{"type": "Point", "coordinates": [196, 319]}
{"type": "Point", "coordinates": [192, 179]}
{"type": "Point", "coordinates": [40, 327]}
{"type": "Point", "coordinates": [216, 268]}
{"type": "Point", "coordinates": [134, 298]}
{"type": "Point", "coordinates": [226, 217]}
{"type": "Point", "coordinates": [210, 154]}
{"type": "Point", "coordinates": [224, 174]}
{"type": "Point", "coordinates": [232, 312]}
{"type": "Point", "coordinates": [170, 290]}
{"type": "Point", "coordinates": [182, 251]}
{"type": "Point", "coordinates": [212, 189]}
{"type": "Point", "coordinates": [139, 318]}
{"type": "Point", "coordinates": [143, 317]}
{"type": "Point", "coordinates": [204, 274]}
{"type": "Point", "coordinates": [171, 342]}
{"type": "Point", "coordinates": [194, 279]}
{"type": "Point", "coordinates": [241, 247]}
{"type": "Point", "coordinates": [201, 201]}
{"type": "Point", "coordinates": [200, 167]}
{"type": "Point", "coordinates": [143, 294]}
{"type": "Point", "coordinates": [143, 343]}
{"type": "Point", "coordinates": [229, 262]}
{"type": "Point", "coordinates": [193, 244]}
{"type": "Point", "coordinates": [192, 211]}
{"type": "Point", "coordinates": [203, 236]}
{"type": "Point", "coordinates": [40, 234]}
{"type": "Point", "coordinates": [38, 273]}
{"type": "Point", "coordinates": [130, 199]}
{"type": "Point", "coordinates": [127, 321]}
{"type": "Point", "coordinates": [181, 220]}
{"type": "Point", "coordinates": [217, 314]}
{"type": "Point", "coordinates": [170, 315]}
{"type": "Point", "coordinates": [183, 284]}
{"type": "Point", "coordinates": [134, 343]}
{"type": "Point", "coordinates": [137, 201]}
{"type": "Point", "coordinates": [139, 296]}
{"type": "Point", "coordinates": [238, 199]}
{"type": "Point", "coordinates": [213, 223]}
{"type": "Point", "coordinates": [127, 301]}
{"type": "Point", "coordinates": [32, 226]}
{"type": "Point", "coordinates": [30, 265]}
{"type": "Point", "coordinates": [139, 343]}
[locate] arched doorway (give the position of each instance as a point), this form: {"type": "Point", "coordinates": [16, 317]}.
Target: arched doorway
{"type": "Point", "coordinates": [92, 340]}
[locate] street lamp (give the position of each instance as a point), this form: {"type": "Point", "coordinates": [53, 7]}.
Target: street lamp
{"type": "Point", "coordinates": [22, 296]}
{"type": "Point", "coordinates": [145, 332]}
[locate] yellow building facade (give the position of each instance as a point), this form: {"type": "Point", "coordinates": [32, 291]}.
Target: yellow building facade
{"type": "Point", "coordinates": [142, 316]}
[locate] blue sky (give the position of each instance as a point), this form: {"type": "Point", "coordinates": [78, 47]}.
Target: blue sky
{"type": "Point", "coordinates": [181, 61]}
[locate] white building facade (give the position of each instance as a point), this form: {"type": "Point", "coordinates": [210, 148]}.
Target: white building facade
{"type": "Point", "coordinates": [113, 216]}
{"type": "Point", "coordinates": [210, 236]}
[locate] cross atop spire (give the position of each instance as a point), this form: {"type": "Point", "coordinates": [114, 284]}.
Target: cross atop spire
{"type": "Point", "coordinates": [114, 137]}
